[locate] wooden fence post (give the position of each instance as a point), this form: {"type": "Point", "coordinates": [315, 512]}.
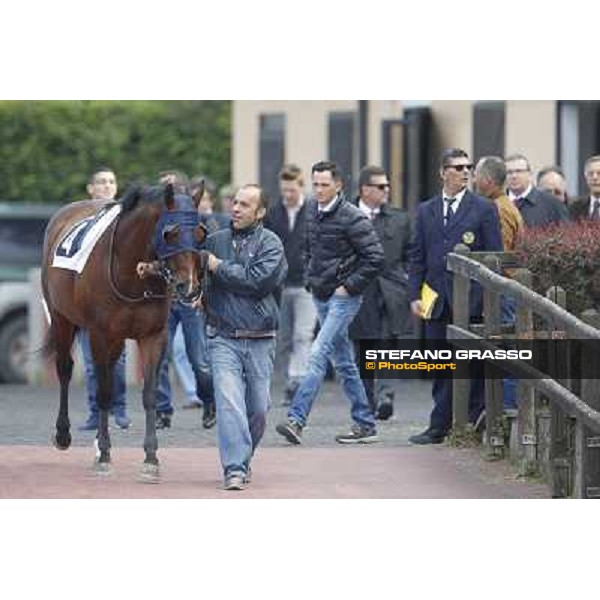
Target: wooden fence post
{"type": "Point", "coordinates": [494, 393]}
{"type": "Point", "coordinates": [560, 452]}
{"type": "Point", "coordinates": [526, 425]}
{"type": "Point", "coordinates": [461, 286]}
{"type": "Point", "coordinates": [587, 444]}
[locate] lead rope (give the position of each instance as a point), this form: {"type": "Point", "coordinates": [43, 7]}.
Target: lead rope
{"type": "Point", "coordinates": [147, 295]}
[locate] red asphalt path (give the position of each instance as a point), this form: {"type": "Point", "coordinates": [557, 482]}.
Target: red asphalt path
{"type": "Point", "coordinates": [294, 472]}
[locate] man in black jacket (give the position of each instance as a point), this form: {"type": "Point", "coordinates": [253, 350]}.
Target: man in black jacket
{"type": "Point", "coordinates": [385, 311]}
{"type": "Point", "coordinates": [589, 206]}
{"type": "Point", "coordinates": [297, 321]}
{"type": "Point", "coordinates": [538, 208]}
{"type": "Point", "coordinates": [247, 268]}
{"type": "Point", "coordinates": [343, 255]}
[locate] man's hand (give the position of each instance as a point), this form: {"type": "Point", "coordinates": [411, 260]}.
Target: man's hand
{"type": "Point", "coordinates": [146, 269]}
{"type": "Point", "coordinates": [213, 262]}
{"type": "Point", "coordinates": [341, 291]}
{"type": "Point", "coordinates": [417, 308]}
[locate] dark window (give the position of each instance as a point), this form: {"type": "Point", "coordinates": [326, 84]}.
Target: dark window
{"type": "Point", "coordinates": [406, 156]}
{"type": "Point", "coordinates": [578, 139]}
{"type": "Point", "coordinates": [488, 129]}
{"type": "Point", "coordinates": [342, 146]}
{"type": "Point", "coordinates": [271, 152]}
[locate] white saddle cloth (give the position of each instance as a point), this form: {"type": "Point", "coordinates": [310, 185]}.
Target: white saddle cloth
{"type": "Point", "coordinates": [76, 246]}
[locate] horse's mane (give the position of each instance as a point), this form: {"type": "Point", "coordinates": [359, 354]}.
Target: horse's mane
{"type": "Point", "coordinates": [139, 193]}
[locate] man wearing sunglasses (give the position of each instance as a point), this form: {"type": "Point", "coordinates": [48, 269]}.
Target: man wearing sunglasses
{"type": "Point", "coordinates": [538, 208]}
{"type": "Point", "coordinates": [385, 310]}
{"type": "Point", "coordinates": [456, 216]}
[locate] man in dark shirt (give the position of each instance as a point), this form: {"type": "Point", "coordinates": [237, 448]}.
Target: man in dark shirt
{"type": "Point", "coordinates": [298, 316]}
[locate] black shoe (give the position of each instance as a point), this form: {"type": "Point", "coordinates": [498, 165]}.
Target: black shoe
{"type": "Point", "coordinates": [291, 431]}
{"type": "Point", "coordinates": [385, 410]}
{"type": "Point", "coordinates": [209, 415]}
{"type": "Point", "coordinates": [429, 436]}
{"type": "Point", "coordinates": [358, 435]}
{"type": "Point", "coordinates": [163, 421]}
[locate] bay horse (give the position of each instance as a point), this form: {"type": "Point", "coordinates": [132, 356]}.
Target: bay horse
{"type": "Point", "coordinates": [112, 300]}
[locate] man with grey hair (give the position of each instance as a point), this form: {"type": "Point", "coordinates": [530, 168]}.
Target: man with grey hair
{"type": "Point", "coordinates": [538, 208]}
{"type": "Point", "coordinates": [552, 180]}
{"type": "Point", "coordinates": [490, 177]}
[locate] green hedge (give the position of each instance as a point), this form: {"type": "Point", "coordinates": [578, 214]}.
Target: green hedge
{"type": "Point", "coordinates": [48, 148]}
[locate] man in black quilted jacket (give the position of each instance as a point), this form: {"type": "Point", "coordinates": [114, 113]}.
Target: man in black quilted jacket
{"type": "Point", "coordinates": [342, 255]}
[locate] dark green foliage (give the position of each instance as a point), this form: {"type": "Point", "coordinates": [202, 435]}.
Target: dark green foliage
{"type": "Point", "coordinates": [567, 255]}
{"type": "Point", "coordinates": [48, 148]}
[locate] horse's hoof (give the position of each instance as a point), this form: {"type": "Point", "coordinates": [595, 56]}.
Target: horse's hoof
{"type": "Point", "coordinates": [103, 469]}
{"type": "Point", "coordinates": [149, 473]}
{"type": "Point", "coordinates": [62, 442]}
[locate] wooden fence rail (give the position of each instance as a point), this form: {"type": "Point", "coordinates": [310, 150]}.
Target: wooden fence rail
{"type": "Point", "coordinates": [555, 432]}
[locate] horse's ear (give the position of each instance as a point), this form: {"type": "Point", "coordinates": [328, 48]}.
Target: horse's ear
{"type": "Point", "coordinates": [198, 193]}
{"type": "Point", "coordinates": [170, 196]}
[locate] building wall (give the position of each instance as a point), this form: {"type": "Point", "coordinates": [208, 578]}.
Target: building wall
{"type": "Point", "coordinates": [530, 128]}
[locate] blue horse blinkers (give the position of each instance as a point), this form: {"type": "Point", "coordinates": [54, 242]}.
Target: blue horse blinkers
{"type": "Point", "coordinates": [185, 223]}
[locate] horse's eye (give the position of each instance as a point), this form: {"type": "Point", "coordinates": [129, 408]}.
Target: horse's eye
{"type": "Point", "coordinates": [200, 233]}
{"type": "Point", "coordinates": [171, 234]}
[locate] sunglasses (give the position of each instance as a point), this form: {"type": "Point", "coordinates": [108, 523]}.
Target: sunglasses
{"type": "Point", "coordinates": [380, 186]}
{"type": "Point", "coordinates": [459, 168]}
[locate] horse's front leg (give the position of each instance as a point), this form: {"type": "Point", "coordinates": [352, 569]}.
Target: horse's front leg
{"type": "Point", "coordinates": [152, 350]}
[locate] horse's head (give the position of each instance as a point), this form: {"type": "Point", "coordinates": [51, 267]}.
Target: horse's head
{"type": "Point", "coordinates": [177, 240]}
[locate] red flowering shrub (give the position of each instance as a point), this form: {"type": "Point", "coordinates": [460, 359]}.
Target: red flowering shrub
{"type": "Point", "coordinates": [567, 255]}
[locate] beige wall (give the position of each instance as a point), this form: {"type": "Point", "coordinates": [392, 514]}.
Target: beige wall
{"type": "Point", "coordinates": [380, 110]}
{"type": "Point", "coordinates": [453, 120]}
{"type": "Point", "coordinates": [530, 128]}
{"type": "Point", "coordinates": [305, 135]}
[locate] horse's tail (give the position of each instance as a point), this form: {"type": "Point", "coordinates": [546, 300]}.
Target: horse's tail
{"type": "Point", "coordinates": [48, 350]}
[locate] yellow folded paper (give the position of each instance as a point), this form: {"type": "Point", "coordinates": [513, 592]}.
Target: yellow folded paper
{"type": "Point", "coordinates": [428, 298]}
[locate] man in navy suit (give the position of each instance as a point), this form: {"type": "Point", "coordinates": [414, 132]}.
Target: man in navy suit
{"type": "Point", "coordinates": [589, 206]}
{"type": "Point", "coordinates": [538, 208]}
{"type": "Point", "coordinates": [457, 216]}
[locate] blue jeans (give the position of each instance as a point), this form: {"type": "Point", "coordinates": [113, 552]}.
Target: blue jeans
{"type": "Point", "coordinates": [183, 367]}
{"type": "Point", "coordinates": [243, 368]}
{"type": "Point", "coordinates": [192, 324]}
{"type": "Point", "coordinates": [119, 381]}
{"type": "Point", "coordinates": [335, 315]}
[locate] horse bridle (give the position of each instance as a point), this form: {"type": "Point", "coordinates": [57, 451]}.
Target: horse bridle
{"type": "Point", "coordinates": [164, 272]}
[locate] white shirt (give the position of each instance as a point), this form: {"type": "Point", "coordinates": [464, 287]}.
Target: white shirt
{"type": "Point", "coordinates": [457, 200]}
{"type": "Point", "coordinates": [329, 206]}
{"type": "Point", "coordinates": [593, 202]}
{"type": "Point", "coordinates": [292, 212]}
{"type": "Point", "coordinates": [514, 196]}
{"type": "Point", "coordinates": [370, 212]}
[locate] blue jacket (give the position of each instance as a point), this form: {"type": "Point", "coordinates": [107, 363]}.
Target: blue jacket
{"type": "Point", "coordinates": [476, 224]}
{"type": "Point", "coordinates": [241, 295]}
